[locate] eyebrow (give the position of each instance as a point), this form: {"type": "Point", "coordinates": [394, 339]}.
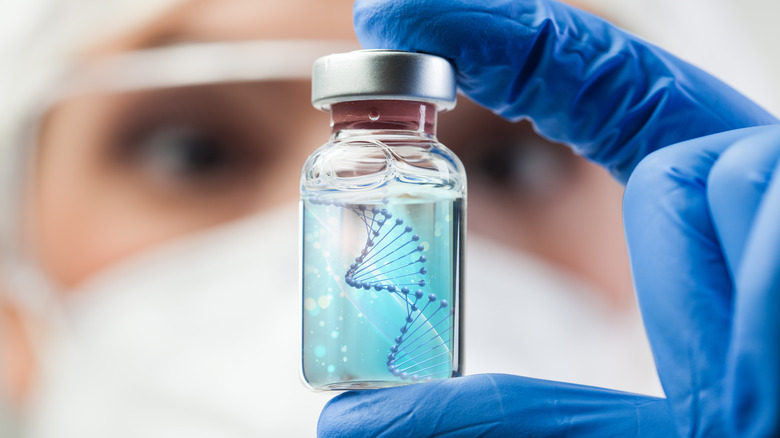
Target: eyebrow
{"type": "Point", "coordinates": [163, 30]}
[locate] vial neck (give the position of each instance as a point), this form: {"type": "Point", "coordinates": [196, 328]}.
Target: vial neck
{"type": "Point", "coordinates": [399, 115]}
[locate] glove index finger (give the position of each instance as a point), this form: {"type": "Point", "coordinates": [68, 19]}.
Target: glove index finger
{"type": "Point", "coordinates": [613, 97]}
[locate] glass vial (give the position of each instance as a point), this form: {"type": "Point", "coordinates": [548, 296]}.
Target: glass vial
{"type": "Point", "coordinates": [383, 220]}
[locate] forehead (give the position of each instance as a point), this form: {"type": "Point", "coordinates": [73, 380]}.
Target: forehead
{"type": "Point", "coordinates": [236, 20]}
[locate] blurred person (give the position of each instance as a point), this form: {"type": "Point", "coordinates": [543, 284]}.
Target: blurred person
{"type": "Point", "coordinates": [150, 261]}
{"type": "Point", "coordinates": [161, 135]}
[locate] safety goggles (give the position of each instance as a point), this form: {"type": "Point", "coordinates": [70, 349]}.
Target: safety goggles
{"type": "Point", "coordinates": [173, 92]}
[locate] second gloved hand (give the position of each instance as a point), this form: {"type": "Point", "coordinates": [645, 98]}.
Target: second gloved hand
{"type": "Point", "coordinates": [708, 287]}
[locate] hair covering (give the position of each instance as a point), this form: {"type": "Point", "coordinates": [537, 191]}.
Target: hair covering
{"type": "Point", "coordinates": [39, 40]}
{"type": "Point", "coordinates": [40, 37]}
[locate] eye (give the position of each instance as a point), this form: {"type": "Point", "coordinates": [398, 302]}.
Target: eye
{"type": "Point", "coordinates": [518, 161]}
{"type": "Point", "coordinates": [190, 141]}
{"type": "Point", "coordinates": [184, 152]}
{"type": "Point", "coordinates": [499, 160]}
{"type": "Point", "coordinates": [188, 158]}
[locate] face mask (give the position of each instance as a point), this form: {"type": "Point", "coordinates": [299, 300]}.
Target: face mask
{"type": "Point", "coordinates": [195, 339]}
{"type": "Point", "coordinates": [527, 317]}
{"type": "Point", "coordinates": [7, 420]}
{"type": "Point", "coordinates": [200, 338]}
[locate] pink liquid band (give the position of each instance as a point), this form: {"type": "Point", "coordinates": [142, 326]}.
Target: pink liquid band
{"type": "Point", "coordinates": [384, 114]}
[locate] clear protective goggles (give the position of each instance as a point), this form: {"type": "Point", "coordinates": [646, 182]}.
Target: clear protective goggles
{"type": "Point", "coordinates": [186, 131]}
{"type": "Point", "coordinates": [195, 135]}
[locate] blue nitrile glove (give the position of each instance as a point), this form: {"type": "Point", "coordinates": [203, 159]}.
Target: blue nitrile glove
{"type": "Point", "coordinates": [495, 405]}
{"type": "Point", "coordinates": [702, 222]}
{"type": "Point", "coordinates": [615, 99]}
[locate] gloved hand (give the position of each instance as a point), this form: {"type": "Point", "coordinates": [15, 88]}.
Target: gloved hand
{"type": "Point", "coordinates": [581, 81]}
{"type": "Point", "coordinates": [700, 222]}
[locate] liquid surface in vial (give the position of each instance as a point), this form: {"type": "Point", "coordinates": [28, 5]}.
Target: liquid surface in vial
{"type": "Point", "coordinates": [380, 285]}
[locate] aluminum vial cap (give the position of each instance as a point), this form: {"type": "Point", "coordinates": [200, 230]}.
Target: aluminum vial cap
{"type": "Point", "coordinates": [383, 75]}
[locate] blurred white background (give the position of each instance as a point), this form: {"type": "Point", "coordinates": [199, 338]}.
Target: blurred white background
{"type": "Point", "coordinates": [735, 40]}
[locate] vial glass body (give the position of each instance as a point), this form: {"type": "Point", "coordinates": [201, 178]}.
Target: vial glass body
{"type": "Point", "coordinates": [383, 220]}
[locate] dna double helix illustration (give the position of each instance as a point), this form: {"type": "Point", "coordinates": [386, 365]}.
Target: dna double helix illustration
{"type": "Point", "coordinates": [392, 261]}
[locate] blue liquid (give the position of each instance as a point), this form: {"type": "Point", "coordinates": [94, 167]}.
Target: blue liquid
{"type": "Point", "coordinates": [381, 287]}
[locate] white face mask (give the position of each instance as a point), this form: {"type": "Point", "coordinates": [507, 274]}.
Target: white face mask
{"type": "Point", "coordinates": [198, 338]}
{"type": "Point", "coordinates": [526, 317]}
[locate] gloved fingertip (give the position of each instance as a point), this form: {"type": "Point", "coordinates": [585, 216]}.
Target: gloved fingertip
{"type": "Point", "coordinates": [335, 419]}
{"type": "Point", "coordinates": [367, 16]}
{"type": "Point", "coordinates": [735, 187]}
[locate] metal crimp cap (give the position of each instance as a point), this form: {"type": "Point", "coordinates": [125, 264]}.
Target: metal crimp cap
{"type": "Point", "coordinates": [382, 74]}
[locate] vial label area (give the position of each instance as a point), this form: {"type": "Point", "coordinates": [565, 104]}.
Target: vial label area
{"type": "Point", "coordinates": [379, 291]}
